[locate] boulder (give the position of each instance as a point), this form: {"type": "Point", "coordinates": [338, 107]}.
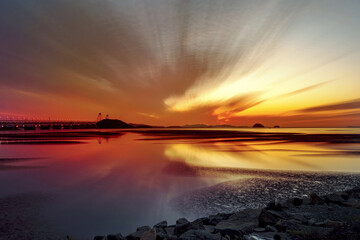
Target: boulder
{"type": "Point", "coordinates": [199, 234]}
{"type": "Point", "coordinates": [297, 201]}
{"type": "Point", "coordinates": [149, 235]}
{"type": "Point", "coordinates": [210, 228]}
{"type": "Point", "coordinates": [161, 233]}
{"type": "Point", "coordinates": [238, 223]}
{"type": "Point", "coordinates": [315, 199]}
{"type": "Point", "coordinates": [139, 232]}
{"type": "Point", "coordinates": [344, 195]}
{"type": "Point", "coordinates": [182, 225]}
{"type": "Point", "coordinates": [115, 237]}
{"type": "Point", "coordinates": [351, 202]}
{"type": "Point", "coordinates": [198, 224]}
{"type": "Point", "coordinates": [273, 206]}
{"type": "Point", "coordinates": [263, 236]}
{"type": "Point", "coordinates": [99, 238]}
{"type": "Point", "coordinates": [270, 228]}
{"type": "Point", "coordinates": [330, 224]}
{"type": "Point", "coordinates": [334, 198]}
{"type": "Point", "coordinates": [215, 219]}
{"type": "Point", "coordinates": [266, 218]}
{"type": "Point", "coordinates": [169, 231]}
{"type": "Point", "coordinates": [162, 224]}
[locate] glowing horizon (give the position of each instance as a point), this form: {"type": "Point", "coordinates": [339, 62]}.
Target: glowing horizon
{"type": "Point", "coordinates": [287, 63]}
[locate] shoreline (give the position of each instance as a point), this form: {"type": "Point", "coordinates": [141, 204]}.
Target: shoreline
{"type": "Point", "coordinates": [332, 216]}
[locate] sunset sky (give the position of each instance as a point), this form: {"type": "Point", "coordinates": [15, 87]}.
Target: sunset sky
{"type": "Point", "coordinates": [175, 62]}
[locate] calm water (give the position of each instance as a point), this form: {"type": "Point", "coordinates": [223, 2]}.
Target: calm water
{"type": "Point", "coordinates": [110, 185]}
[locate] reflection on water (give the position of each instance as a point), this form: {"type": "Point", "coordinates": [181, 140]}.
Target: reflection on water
{"type": "Point", "coordinates": [276, 156]}
{"type": "Point", "coordinates": [114, 182]}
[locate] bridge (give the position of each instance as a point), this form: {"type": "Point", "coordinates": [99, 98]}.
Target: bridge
{"type": "Point", "coordinates": [45, 124]}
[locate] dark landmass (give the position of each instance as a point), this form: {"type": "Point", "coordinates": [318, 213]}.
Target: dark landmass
{"type": "Point", "coordinates": [112, 123]}
{"type": "Point", "coordinates": [258, 125]}
{"type": "Point", "coordinates": [329, 217]}
{"type": "Point", "coordinates": [276, 126]}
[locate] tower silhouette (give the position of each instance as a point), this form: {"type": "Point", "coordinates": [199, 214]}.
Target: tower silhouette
{"type": "Point", "coordinates": [99, 117]}
{"type": "Point", "coordinates": [107, 116]}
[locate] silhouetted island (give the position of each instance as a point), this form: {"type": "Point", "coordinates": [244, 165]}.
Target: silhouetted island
{"type": "Point", "coordinates": [258, 125]}
{"type": "Point", "coordinates": [112, 123]}
{"type": "Point", "coordinates": [276, 126]}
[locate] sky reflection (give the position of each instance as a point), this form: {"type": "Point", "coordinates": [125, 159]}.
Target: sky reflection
{"type": "Point", "coordinates": [107, 185]}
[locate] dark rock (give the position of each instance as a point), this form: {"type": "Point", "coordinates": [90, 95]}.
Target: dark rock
{"type": "Point", "coordinates": [259, 229]}
{"type": "Point", "coordinates": [351, 202]}
{"type": "Point", "coordinates": [335, 198]}
{"type": "Point", "coordinates": [267, 217]}
{"type": "Point", "coordinates": [315, 199]}
{"type": "Point", "coordinates": [281, 225]}
{"type": "Point", "coordinates": [311, 222]}
{"type": "Point", "coordinates": [270, 228]}
{"type": "Point", "coordinates": [143, 229]}
{"type": "Point", "coordinates": [215, 219]}
{"type": "Point", "coordinates": [182, 225]}
{"type": "Point", "coordinates": [297, 201]}
{"type": "Point", "coordinates": [197, 224]}
{"type": "Point", "coordinates": [115, 237]}
{"type": "Point", "coordinates": [273, 206]}
{"type": "Point", "coordinates": [239, 223]}
{"type": "Point", "coordinates": [162, 224]}
{"type": "Point", "coordinates": [262, 236]}
{"type": "Point", "coordinates": [100, 238]}
{"type": "Point", "coordinates": [330, 224]}
{"type": "Point", "coordinates": [308, 232]}
{"type": "Point", "coordinates": [344, 195]}
{"type": "Point", "coordinates": [277, 237]}
{"type": "Point", "coordinates": [170, 231]}
{"type": "Point", "coordinates": [139, 232]}
{"type": "Point", "coordinates": [149, 235]}
{"type": "Point", "coordinates": [182, 221]}
{"type": "Point", "coordinates": [209, 228]}
{"type": "Point", "coordinates": [299, 217]}
{"type": "Point", "coordinates": [306, 201]}
{"type": "Point", "coordinates": [160, 233]}
{"type": "Point", "coordinates": [199, 235]}
{"type": "Point", "coordinates": [258, 125]}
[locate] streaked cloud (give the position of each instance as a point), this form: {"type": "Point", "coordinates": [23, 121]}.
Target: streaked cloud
{"type": "Point", "coordinates": [346, 105]}
{"type": "Point", "coordinates": [176, 61]}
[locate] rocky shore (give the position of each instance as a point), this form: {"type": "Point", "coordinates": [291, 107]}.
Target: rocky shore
{"type": "Point", "coordinates": [333, 216]}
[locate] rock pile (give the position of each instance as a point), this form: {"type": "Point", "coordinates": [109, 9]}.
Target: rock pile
{"type": "Point", "coordinates": [334, 216]}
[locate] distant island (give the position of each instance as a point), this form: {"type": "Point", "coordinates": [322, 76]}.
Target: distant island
{"type": "Point", "coordinates": [258, 125]}
{"type": "Point", "coordinates": [112, 123]}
